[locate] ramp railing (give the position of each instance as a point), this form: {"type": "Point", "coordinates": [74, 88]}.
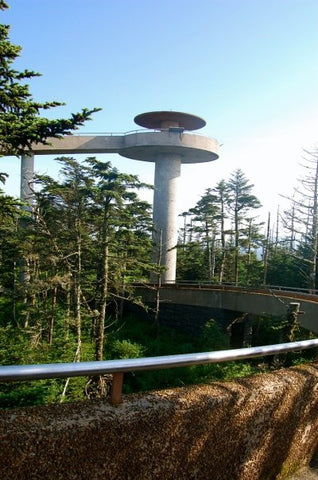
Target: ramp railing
{"type": "Point", "coordinates": [117, 368]}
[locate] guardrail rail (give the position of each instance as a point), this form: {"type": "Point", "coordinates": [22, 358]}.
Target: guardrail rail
{"type": "Point", "coordinates": [117, 368]}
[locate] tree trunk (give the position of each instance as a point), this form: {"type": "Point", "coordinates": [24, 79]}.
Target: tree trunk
{"type": "Point", "coordinates": [100, 327]}
{"type": "Point", "coordinates": [314, 233]}
{"type": "Point", "coordinates": [223, 251]}
{"type": "Point", "coordinates": [158, 283]}
{"type": "Point", "coordinates": [266, 249]}
{"type": "Point", "coordinates": [236, 248]}
{"type": "Point", "coordinates": [51, 319]}
{"type": "Point", "coordinates": [78, 295]}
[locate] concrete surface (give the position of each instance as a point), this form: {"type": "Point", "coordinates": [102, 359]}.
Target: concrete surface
{"type": "Point", "coordinates": [143, 146]}
{"type": "Point", "coordinates": [263, 427]}
{"type": "Point", "coordinates": [165, 214]}
{"type": "Point", "coordinates": [305, 473]}
{"type": "Point", "coordinates": [257, 301]}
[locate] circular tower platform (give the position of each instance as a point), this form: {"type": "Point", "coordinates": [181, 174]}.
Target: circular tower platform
{"type": "Point", "coordinates": [167, 119]}
{"type": "Point", "coordinates": [149, 146]}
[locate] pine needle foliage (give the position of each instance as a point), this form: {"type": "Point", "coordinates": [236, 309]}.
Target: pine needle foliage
{"type": "Point", "coordinates": [21, 120]}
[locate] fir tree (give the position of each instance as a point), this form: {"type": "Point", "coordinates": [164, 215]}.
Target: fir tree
{"type": "Point", "coordinates": [21, 123]}
{"type": "Point", "coordinates": [240, 203]}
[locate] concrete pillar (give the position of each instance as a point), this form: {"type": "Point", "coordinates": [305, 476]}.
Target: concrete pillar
{"type": "Point", "coordinates": [165, 213]}
{"type": "Point", "coordinates": [27, 175]}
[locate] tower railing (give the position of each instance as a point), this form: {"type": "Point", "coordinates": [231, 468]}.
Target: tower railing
{"type": "Point", "coordinates": [130, 132]}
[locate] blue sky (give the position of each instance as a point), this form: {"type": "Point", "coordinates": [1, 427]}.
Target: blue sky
{"type": "Point", "coordinates": [249, 68]}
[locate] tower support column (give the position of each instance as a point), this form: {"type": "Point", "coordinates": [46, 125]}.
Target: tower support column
{"type": "Point", "coordinates": [165, 213]}
{"type": "Point", "coordinates": [27, 175]}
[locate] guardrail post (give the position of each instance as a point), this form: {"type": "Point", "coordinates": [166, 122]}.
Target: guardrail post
{"type": "Point", "coordinates": [116, 389]}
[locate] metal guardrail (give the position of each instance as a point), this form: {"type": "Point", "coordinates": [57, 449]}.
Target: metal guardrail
{"type": "Point", "coordinates": [130, 132]}
{"type": "Point", "coordinates": [207, 283]}
{"type": "Point", "coordinates": [119, 367]}
{"type": "Point", "coordinates": [113, 134]}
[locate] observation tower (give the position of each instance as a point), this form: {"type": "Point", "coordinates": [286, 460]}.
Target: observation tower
{"type": "Point", "coordinates": [165, 142]}
{"type": "Point", "coordinates": [168, 159]}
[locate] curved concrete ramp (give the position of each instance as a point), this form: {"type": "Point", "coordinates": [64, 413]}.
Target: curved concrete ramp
{"type": "Point", "coordinates": [247, 300]}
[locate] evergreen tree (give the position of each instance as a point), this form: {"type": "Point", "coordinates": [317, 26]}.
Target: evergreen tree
{"type": "Point", "coordinates": [240, 203]}
{"type": "Point", "coordinates": [123, 224]}
{"type": "Point", "coordinates": [206, 215]}
{"type": "Point", "coordinates": [284, 269]}
{"type": "Point", "coordinates": [221, 193]}
{"type": "Point", "coordinates": [21, 122]}
{"type": "Point", "coordinates": [10, 211]}
{"type": "Point", "coordinates": [97, 239]}
{"type": "Point", "coordinates": [222, 246]}
{"type": "Point", "coordinates": [191, 262]}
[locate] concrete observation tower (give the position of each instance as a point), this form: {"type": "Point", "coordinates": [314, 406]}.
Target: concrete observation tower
{"type": "Point", "coordinates": [165, 143]}
{"type": "Point", "coordinates": [168, 159]}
